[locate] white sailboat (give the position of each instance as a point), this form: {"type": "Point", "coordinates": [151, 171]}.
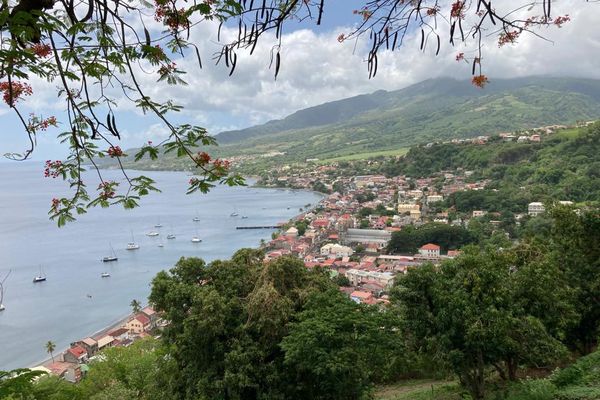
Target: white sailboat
{"type": "Point", "coordinates": [196, 239]}
{"type": "Point", "coordinates": [196, 218]}
{"type": "Point", "coordinates": [234, 213]}
{"type": "Point", "coordinates": [171, 235]}
{"type": "Point", "coordinates": [158, 224]}
{"type": "Point", "coordinates": [132, 245]}
{"type": "Point", "coordinates": [112, 256]}
{"type": "Point", "coordinates": [41, 276]}
{"type": "Point", "coordinates": [104, 275]}
{"type": "Point", "coordinates": [2, 308]}
{"type": "Point", "coordinates": [152, 233]}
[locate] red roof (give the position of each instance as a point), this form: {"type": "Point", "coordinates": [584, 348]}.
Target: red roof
{"type": "Point", "coordinates": [328, 262]}
{"type": "Point", "coordinates": [430, 246]}
{"type": "Point", "coordinates": [142, 318]}
{"type": "Point", "coordinates": [320, 222]}
{"type": "Point", "coordinates": [77, 351]}
{"type": "Point", "coordinates": [361, 295]}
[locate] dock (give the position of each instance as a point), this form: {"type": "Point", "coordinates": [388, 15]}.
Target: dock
{"type": "Point", "coordinates": [259, 227]}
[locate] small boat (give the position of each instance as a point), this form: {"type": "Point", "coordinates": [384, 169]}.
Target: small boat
{"type": "Point", "coordinates": [41, 277]}
{"type": "Point", "coordinates": [196, 239]}
{"type": "Point", "coordinates": [170, 236]}
{"type": "Point", "coordinates": [152, 233]}
{"type": "Point", "coordinates": [105, 275]}
{"type": "Point", "coordinates": [161, 245]}
{"type": "Point", "coordinates": [244, 217]}
{"type": "Point", "coordinates": [112, 257]}
{"type": "Point", "coordinates": [89, 296]}
{"type": "Point", "coordinates": [2, 308]}
{"type": "Point", "coordinates": [234, 214]}
{"type": "Point", "coordinates": [132, 245]}
{"type": "Point", "coordinates": [158, 224]}
{"type": "Point", "coordinates": [196, 219]}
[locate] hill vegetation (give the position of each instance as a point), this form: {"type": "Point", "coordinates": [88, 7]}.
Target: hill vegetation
{"type": "Point", "coordinates": [388, 122]}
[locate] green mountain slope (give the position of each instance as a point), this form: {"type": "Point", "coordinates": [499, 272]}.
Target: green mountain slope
{"type": "Point", "coordinates": [431, 110]}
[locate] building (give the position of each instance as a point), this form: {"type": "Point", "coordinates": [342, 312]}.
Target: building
{"type": "Point", "coordinates": [430, 250]}
{"type": "Point", "coordinates": [138, 324]}
{"type": "Point", "coordinates": [361, 297]}
{"type": "Point", "coordinates": [357, 277]}
{"type": "Point", "coordinates": [90, 345]}
{"type": "Point", "coordinates": [435, 198]}
{"type": "Point", "coordinates": [368, 236]}
{"type": "Point", "coordinates": [535, 208]}
{"type": "Point", "coordinates": [478, 213]}
{"type": "Point", "coordinates": [408, 207]}
{"type": "Point", "coordinates": [75, 355]}
{"type": "Point", "coordinates": [332, 250]}
{"type": "Point", "coordinates": [292, 232]}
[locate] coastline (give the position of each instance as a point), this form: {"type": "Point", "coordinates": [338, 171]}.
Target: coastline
{"type": "Point", "coordinates": [118, 321]}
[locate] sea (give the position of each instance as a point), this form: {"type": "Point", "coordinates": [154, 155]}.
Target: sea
{"type": "Point", "coordinates": [75, 301]}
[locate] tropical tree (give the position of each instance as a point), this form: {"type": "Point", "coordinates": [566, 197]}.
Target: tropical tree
{"type": "Point", "coordinates": [135, 306]}
{"type": "Point", "coordinates": [50, 347]}
{"type": "Point", "coordinates": [96, 56]}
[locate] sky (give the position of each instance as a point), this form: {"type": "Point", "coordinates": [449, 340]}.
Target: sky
{"type": "Point", "coordinates": [316, 68]}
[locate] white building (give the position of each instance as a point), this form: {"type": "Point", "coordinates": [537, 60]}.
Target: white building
{"type": "Point", "coordinates": [430, 250]}
{"type": "Point", "coordinates": [535, 208]}
{"type": "Point", "coordinates": [435, 198]}
{"type": "Point", "coordinates": [332, 250]}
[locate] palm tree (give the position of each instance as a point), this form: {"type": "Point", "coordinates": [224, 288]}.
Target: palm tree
{"type": "Point", "coordinates": [136, 306]}
{"type": "Point", "coordinates": [50, 347]}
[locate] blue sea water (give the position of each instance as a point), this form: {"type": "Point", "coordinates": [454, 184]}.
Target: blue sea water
{"type": "Point", "coordinates": [60, 309]}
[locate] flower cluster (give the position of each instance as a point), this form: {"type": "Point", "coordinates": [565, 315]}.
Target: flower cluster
{"type": "Point", "coordinates": [41, 49]}
{"type": "Point", "coordinates": [107, 190]}
{"type": "Point", "coordinates": [458, 9]}
{"type": "Point", "coordinates": [167, 68]}
{"type": "Point", "coordinates": [14, 91]}
{"type": "Point", "coordinates": [53, 168]}
{"type": "Point", "coordinates": [460, 56]}
{"type": "Point", "coordinates": [202, 158]}
{"type": "Point", "coordinates": [508, 37]}
{"type": "Point", "coordinates": [55, 205]}
{"type": "Point", "coordinates": [36, 123]}
{"type": "Point", "coordinates": [480, 80]}
{"type": "Point", "coordinates": [114, 151]}
{"type": "Point", "coordinates": [559, 21]}
{"type": "Point", "coordinates": [341, 38]}
{"type": "Point", "coordinates": [431, 11]}
{"type": "Point", "coordinates": [171, 17]}
{"type": "Point", "coordinates": [365, 12]}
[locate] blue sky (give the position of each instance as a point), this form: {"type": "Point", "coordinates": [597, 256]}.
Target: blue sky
{"type": "Point", "coordinates": [315, 69]}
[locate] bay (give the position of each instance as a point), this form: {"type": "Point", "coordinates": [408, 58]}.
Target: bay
{"type": "Point", "coordinates": [60, 309]}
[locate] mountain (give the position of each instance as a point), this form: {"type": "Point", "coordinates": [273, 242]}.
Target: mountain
{"type": "Point", "coordinates": [431, 110]}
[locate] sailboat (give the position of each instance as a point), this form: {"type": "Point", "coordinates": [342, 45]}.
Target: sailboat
{"type": "Point", "coordinates": [196, 239]}
{"type": "Point", "coordinates": [158, 224]}
{"type": "Point", "coordinates": [234, 213]}
{"type": "Point", "coordinates": [196, 218]}
{"type": "Point", "coordinates": [105, 275]}
{"type": "Point", "coordinates": [170, 235]}
{"type": "Point", "coordinates": [112, 257]}
{"type": "Point", "coordinates": [2, 308]}
{"type": "Point", "coordinates": [161, 244]}
{"type": "Point", "coordinates": [152, 233]}
{"type": "Point", "coordinates": [132, 245]}
{"type": "Point", "coordinates": [40, 278]}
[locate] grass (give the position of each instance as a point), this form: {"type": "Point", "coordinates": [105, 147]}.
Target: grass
{"type": "Point", "coordinates": [419, 390]}
{"type": "Point", "coordinates": [363, 156]}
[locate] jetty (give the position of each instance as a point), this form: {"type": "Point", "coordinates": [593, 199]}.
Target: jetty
{"type": "Point", "coordinates": [259, 227]}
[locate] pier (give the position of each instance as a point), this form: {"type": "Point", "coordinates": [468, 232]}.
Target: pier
{"type": "Point", "coordinates": [259, 227]}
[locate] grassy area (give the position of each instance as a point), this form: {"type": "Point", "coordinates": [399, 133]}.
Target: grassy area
{"type": "Point", "coordinates": [419, 390]}
{"type": "Point", "coordinates": [363, 156]}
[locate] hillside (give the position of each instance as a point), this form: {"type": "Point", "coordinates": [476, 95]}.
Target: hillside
{"type": "Point", "coordinates": [389, 121]}
{"type": "Point", "coordinates": [431, 110]}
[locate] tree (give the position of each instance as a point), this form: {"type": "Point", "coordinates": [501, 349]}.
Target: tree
{"type": "Point", "coordinates": [50, 347]}
{"type": "Point", "coordinates": [135, 306]}
{"type": "Point", "coordinates": [466, 312]}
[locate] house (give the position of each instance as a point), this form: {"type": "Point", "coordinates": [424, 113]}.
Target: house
{"type": "Point", "coordinates": [336, 251]}
{"type": "Point", "coordinates": [435, 198]}
{"type": "Point", "coordinates": [478, 213]}
{"type": "Point", "coordinates": [76, 355]}
{"type": "Point", "coordinates": [150, 313]}
{"type": "Point", "coordinates": [292, 232]}
{"type": "Point", "coordinates": [90, 345]}
{"type": "Point", "coordinates": [361, 297]}
{"type": "Point", "coordinates": [120, 334]}
{"type": "Point", "coordinates": [430, 250]}
{"type": "Point", "coordinates": [66, 370]}
{"type": "Point", "coordinates": [105, 341]}
{"type": "Point", "coordinates": [407, 207]}
{"type": "Point", "coordinates": [138, 324]}
{"type": "Point", "coordinates": [415, 215]}
{"type": "Point", "coordinates": [535, 208]}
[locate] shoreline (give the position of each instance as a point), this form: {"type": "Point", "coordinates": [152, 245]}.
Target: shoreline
{"type": "Point", "coordinates": [117, 322]}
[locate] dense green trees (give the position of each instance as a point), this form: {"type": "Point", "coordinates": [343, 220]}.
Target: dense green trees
{"type": "Point", "coordinates": [410, 238]}
{"type": "Point", "coordinates": [242, 329]}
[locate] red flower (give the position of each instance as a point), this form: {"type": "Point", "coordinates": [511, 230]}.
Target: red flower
{"type": "Point", "coordinates": [14, 91]}
{"type": "Point", "coordinates": [480, 80]}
